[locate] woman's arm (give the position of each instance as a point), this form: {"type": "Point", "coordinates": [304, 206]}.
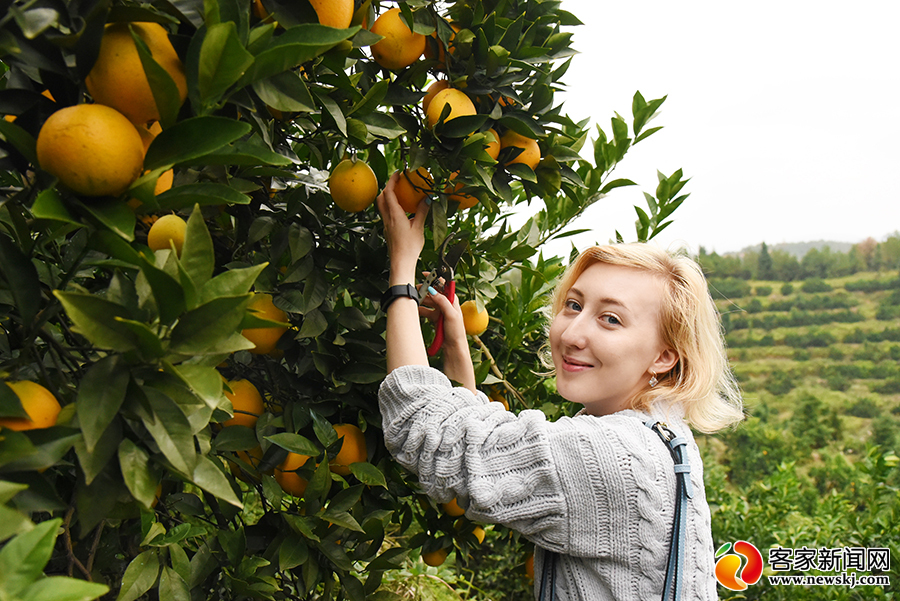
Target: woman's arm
{"type": "Point", "coordinates": [405, 343]}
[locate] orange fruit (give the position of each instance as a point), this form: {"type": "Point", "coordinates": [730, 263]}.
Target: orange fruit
{"type": "Point", "coordinates": [246, 402]}
{"type": "Point", "coordinates": [265, 339]}
{"type": "Point", "coordinates": [251, 457]}
{"type": "Point", "coordinates": [334, 13]}
{"type": "Point", "coordinates": [497, 397]}
{"type": "Point", "coordinates": [452, 508]}
{"type": "Point", "coordinates": [287, 477]}
{"type": "Point", "coordinates": [353, 450]}
{"type": "Point", "coordinates": [479, 533]}
{"type": "Point", "coordinates": [148, 134]}
{"type": "Point", "coordinates": [412, 187]}
{"type": "Point", "coordinates": [166, 231]}
{"type": "Point", "coordinates": [529, 566]}
{"type": "Point", "coordinates": [435, 42]}
{"type": "Point", "coordinates": [435, 558]}
{"type": "Point", "coordinates": [117, 78]}
{"type": "Point", "coordinates": [401, 46]}
{"type": "Point", "coordinates": [433, 89]}
{"type": "Point", "coordinates": [353, 185]}
{"type": "Point", "coordinates": [39, 403]}
{"type": "Point", "coordinates": [475, 321]}
{"type": "Point", "coordinates": [460, 105]}
{"type": "Point", "coordinates": [92, 149]}
{"type": "Point", "coordinates": [466, 201]}
{"type": "Point", "coordinates": [531, 152]}
{"type": "Point", "coordinates": [493, 147]}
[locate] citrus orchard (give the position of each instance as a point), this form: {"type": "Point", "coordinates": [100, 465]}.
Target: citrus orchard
{"type": "Point", "coordinates": [39, 403]}
{"type": "Point", "coordinates": [353, 185]}
{"type": "Point", "coordinates": [91, 148]}
{"type": "Point", "coordinates": [117, 78]}
{"type": "Point", "coordinates": [265, 339]}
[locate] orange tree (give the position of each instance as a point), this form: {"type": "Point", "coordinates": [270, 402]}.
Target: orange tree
{"type": "Point", "coordinates": [243, 109]}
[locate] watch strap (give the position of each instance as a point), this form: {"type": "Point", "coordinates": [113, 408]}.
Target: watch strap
{"type": "Point", "coordinates": [398, 291]}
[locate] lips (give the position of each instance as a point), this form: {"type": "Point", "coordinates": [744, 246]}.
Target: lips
{"type": "Point", "coordinates": [570, 364]}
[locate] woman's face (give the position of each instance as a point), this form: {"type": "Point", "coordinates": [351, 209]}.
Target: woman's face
{"type": "Point", "coordinates": [605, 341]}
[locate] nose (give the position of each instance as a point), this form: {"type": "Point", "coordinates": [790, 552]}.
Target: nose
{"type": "Point", "coordinates": [575, 332]}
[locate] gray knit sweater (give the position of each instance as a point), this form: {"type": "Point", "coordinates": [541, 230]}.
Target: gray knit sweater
{"type": "Point", "coordinates": [598, 490]}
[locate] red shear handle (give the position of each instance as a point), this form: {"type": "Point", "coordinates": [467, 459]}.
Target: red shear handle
{"type": "Point", "coordinates": [449, 291]}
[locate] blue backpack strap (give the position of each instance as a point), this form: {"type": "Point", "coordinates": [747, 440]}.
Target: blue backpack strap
{"type": "Point", "coordinates": [684, 490]}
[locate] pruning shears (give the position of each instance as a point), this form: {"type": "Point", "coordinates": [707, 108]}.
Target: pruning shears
{"type": "Point", "coordinates": [448, 258]}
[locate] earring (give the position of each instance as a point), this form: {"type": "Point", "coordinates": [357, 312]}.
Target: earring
{"type": "Point", "coordinates": [653, 381]}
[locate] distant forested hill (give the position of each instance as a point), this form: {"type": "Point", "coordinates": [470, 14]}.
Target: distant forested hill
{"type": "Point", "coordinates": [799, 249]}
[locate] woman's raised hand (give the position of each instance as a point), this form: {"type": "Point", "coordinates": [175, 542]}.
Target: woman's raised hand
{"type": "Point", "coordinates": [405, 237]}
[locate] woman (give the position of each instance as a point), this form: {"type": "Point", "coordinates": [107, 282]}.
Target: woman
{"type": "Point", "coordinates": [634, 335]}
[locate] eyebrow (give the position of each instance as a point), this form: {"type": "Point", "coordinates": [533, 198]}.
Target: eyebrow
{"type": "Point", "coordinates": [603, 301]}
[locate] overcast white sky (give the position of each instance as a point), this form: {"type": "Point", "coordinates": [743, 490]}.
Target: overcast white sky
{"type": "Point", "coordinates": [783, 113]}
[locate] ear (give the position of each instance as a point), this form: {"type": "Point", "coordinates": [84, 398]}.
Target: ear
{"type": "Point", "coordinates": [666, 360]}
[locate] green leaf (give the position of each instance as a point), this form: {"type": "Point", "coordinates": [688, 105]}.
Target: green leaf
{"type": "Point", "coordinates": [382, 125]}
{"type": "Point", "coordinates": [140, 576]}
{"type": "Point", "coordinates": [146, 339]}
{"type": "Point", "coordinates": [233, 282]}
{"type": "Point", "coordinates": [371, 100]}
{"type": "Point", "coordinates": [285, 92]}
{"type": "Point", "coordinates": [368, 474]}
{"type": "Point", "coordinates": [22, 278]}
{"type": "Point", "coordinates": [361, 373]}
{"type": "Point", "coordinates": [172, 586]}
{"type": "Point", "coordinates": [171, 430]}
{"type": "Point", "coordinates": [236, 438]}
{"type": "Point", "coordinates": [23, 141]}
{"type": "Point", "coordinates": [616, 183]}
{"type": "Point", "coordinates": [211, 479]}
{"type": "Point", "coordinates": [202, 330]}
{"type": "Point", "coordinates": [23, 558]}
{"type": "Point", "coordinates": [223, 61]}
{"type": "Point", "coordinates": [336, 555]}
{"type": "Point", "coordinates": [49, 205]}
{"type": "Point", "coordinates": [62, 588]}
{"type": "Point", "coordinates": [334, 110]}
{"type": "Point", "coordinates": [165, 92]}
{"type": "Point", "coordinates": [100, 396]}
{"type": "Point", "coordinates": [113, 213]}
{"type": "Point", "coordinates": [191, 139]}
{"type": "Point", "coordinates": [294, 47]}
{"type": "Point", "coordinates": [459, 127]}
{"type": "Point", "coordinates": [10, 405]}
{"type": "Point", "coordinates": [295, 443]}
{"type": "Point", "coordinates": [342, 519]}
{"type": "Point", "coordinates": [203, 194]}
{"type": "Point", "coordinates": [292, 552]}
{"type": "Point", "coordinates": [197, 257]}
{"type": "Point", "coordinates": [139, 478]}
{"type": "Point", "coordinates": [93, 462]}
{"type": "Point", "coordinates": [244, 152]}
{"type": "Point", "coordinates": [94, 318]}
{"type": "Point", "coordinates": [314, 323]}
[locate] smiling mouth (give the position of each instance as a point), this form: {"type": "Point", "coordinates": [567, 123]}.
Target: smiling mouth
{"type": "Point", "coordinates": [573, 365]}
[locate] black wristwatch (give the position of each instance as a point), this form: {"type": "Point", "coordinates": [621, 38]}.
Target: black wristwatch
{"type": "Point", "coordinates": [399, 291]}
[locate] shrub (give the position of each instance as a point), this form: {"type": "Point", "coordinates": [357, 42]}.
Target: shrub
{"type": "Point", "coordinates": [728, 288]}
{"type": "Point", "coordinates": [787, 289]}
{"type": "Point", "coordinates": [865, 407]}
{"type": "Point", "coordinates": [763, 291]}
{"type": "Point", "coordinates": [891, 386]}
{"type": "Point", "coordinates": [815, 285]}
{"type": "Point", "coordinates": [780, 382]}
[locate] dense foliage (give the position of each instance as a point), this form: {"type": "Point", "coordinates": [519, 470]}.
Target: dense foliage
{"type": "Point", "coordinates": [153, 489]}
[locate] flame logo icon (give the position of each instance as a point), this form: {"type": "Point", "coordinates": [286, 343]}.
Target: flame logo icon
{"type": "Point", "coordinates": [729, 565]}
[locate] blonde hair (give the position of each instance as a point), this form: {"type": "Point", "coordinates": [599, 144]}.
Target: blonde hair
{"type": "Point", "coordinates": [701, 381]}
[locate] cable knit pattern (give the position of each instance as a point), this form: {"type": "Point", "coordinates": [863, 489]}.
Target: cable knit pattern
{"type": "Point", "coordinates": [598, 490]}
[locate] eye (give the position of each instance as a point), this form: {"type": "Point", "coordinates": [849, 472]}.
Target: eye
{"type": "Point", "coordinates": [611, 319]}
{"type": "Point", "coordinates": [572, 305]}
